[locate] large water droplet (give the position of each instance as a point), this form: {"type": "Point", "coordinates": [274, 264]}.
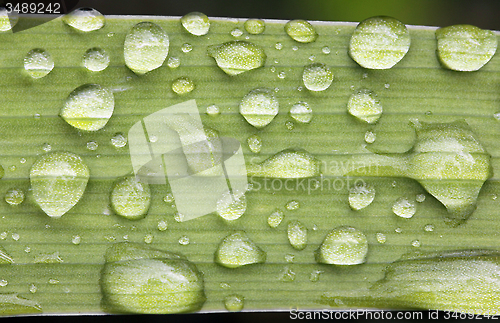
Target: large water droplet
{"type": "Point", "coordinates": [236, 57]}
{"type": "Point", "coordinates": [254, 143]}
{"type": "Point", "coordinates": [137, 279]}
{"type": "Point", "coordinates": [379, 43]}
{"type": "Point", "coordinates": [297, 235]}
{"type": "Point", "coordinates": [196, 23]}
{"type": "Point", "coordinates": [301, 112]}
{"type": "Point", "coordinates": [288, 163]}
{"type": "Point", "coordinates": [317, 77]}
{"type": "Point", "coordinates": [234, 303]}
{"type": "Point", "coordinates": [259, 107]}
{"type": "Point", "coordinates": [58, 181]}
{"type": "Point", "coordinates": [182, 85]}
{"type": "Point", "coordinates": [38, 63]}
{"type": "Point", "coordinates": [301, 31]}
{"type": "Point", "coordinates": [88, 107]}
{"type": "Point", "coordinates": [343, 246]}
{"type": "Point", "coordinates": [130, 198]}
{"type": "Point", "coordinates": [275, 218]}
{"type": "Point", "coordinates": [230, 207]}
{"type": "Point", "coordinates": [14, 196]}
{"type": "Point", "coordinates": [146, 47]}
{"type": "Point", "coordinates": [360, 196]}
{"type": "Point", "coordinates": [465, 47]}
{"type": "Point", "coordinates": [237, 250]}
{"type": "Point", "coordinates": [95, 59]}
{"type": "Point", "coordinates": [363, 106]}
{"type": "Point", "coordinates": [255, 26]}
{"type": "Point", "coordinates": [404, 208]}
{"type": "Point", "coordinates": [84, 19]}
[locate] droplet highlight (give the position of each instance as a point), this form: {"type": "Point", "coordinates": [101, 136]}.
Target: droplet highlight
{"type": "Point", "coordinates": [254, 143]}
{"type": "Point", "coordinates": [255, 26]}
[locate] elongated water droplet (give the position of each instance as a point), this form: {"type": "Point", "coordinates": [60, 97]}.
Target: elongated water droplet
{"type": "Point", "coordinates": [292, 205]}
{"type": "Point", "coordinates": [465, 47]}
{"type": "Point", "coordinates": [301, 112]}
{"type": "Point", "coordinates": [404, 208]}
{"type": "Point", "coordinates": [146, 47]}
{"type": "Point", "coordinates": [88, 107]}
{"type": "Point", "coordinates": [297, 235]}
{"type": "Point", "coordinates": [234, 303]}
{"type": "Point", "coordinates": [182, 85]}
{"type": "Point", "coordinates": [48, 258]}
{"type": "Point", "coordinates": [259, 107]}
{"type": "Point", "coordinates": [231, 207]}
{"type": "Point", "coordinates": [363, 106]}
{"type": "Point", "coordinates": [38, 63]}
{"type": "Point", "coordinates": [237, 250]}
{"type": "Point", "coordinates": [95, 59]}
{"type": "Point", "coordinates": [84, 19]}
{"type": "Point", "coordinates": [360, 196]}
{"type": "Point", "coordinates": [317, 77]}
{"type": "Point", "coordinates": [255, 26]}
{"type": "Point", "coordinates": [12, 304]}
{"type": "Point", "coordinates": [130, 198]}
{"type": "Point", "coordinates": [137, 279]}
{"type": "Point", "coordinates": [370, 137]}
{"type": "Point", "coordinates": [301, 31]}
{"type": "Point", "coordinates": [343, 246]}
{"type": "Point", "coordinates": [288, 163]}
{"type": "Point", "coordinates": [236, 57]}
{"type": "Point", "coordinates": [325, 50]}
{"type": "Point", "coordinates": [196, 23]}
{"type": "Point", "coordinates": [14, 196]}
{"type": "Point", "coordinates": [254, 143]}
{"type": "Point", "coordinates": [58, 181]}
{"type": "Point", "coordinates": [119, 140]}
{"type": "Point", "coordinates": [379, 42]}
{"type": "Point", "coordinates": [275, 218]}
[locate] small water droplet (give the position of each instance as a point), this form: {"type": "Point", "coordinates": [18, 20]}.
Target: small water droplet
{"type": "Point", "coordinates": [184, 240]}
{"type": "Point", "coordinates": [289, 125]}
{"type": "Point", "coordinates": [364, 107]}
{"type": "Point", "coordinates": [76, 240]}
{"type": "Point", "coordinates": [84, 19]}
{"type": "Point", "coordinates": [53, 281]}
{"type": "Point", "coordinates": [255, 26]}
{"type": "Point", "coordinates": [278, 46]}
{"type": "Point", "coordinates": [420, 198]}
{"type": "Point", "coordinates": [14, 196]}
{"type": "Point", "coordinates": [178, 217]}
{"type": "Point", "coordinates": [48, 258]}
{"type": "Point", "coordinates": [289, 258]}
{"type": "Point", "coordinates": [3, 235]}
{"type": "Point", "coordinates": [15, 236]}
{"type": "Point", "coordinates": [301, 31]}
{"type": "Point", "coordinates": [234, 303]}
{"type": "Point", "coordinates": [22, 160]}
{"type": "Point", "coordinates": [27, 249]}
{"type": "Point", "coordinates": [287, 275]}
{"type": "Point", "coordinates": [224, 286]}
{"type": "Point", "coordinates": [292, 205]}
{"type": "Point", "coordinates": [297, 235]}
{"type": "Point", "coordinates": [398, 230]}
{"type": "Point", "coordinates": [429, 228]}
{"type": "Point", "coordinates": [213, 110]}
{"type": "Point", "coordinates": [162, 225]}
{"type": "Point", "coordinates": [37, 115]}
{"type": "Point", "coordinates": [311, 58]}
{"type": "Point", "coordinates": [381, 238]}
{"type": "Point", "coordinates": [33, 289]}
{"type": "Point", "coordinates": [110, 34]}
{"type": "Point", "coordinates": [259, 107]}
{"type": "Point", "coordinates": [169, 198]}
{"type": "Point", "coordinates": [317, 77]}
{"type": "Point", "coordinates": [95, 59]}
{"type": "Point", "coordinates": [295, 48]}
{"type": "Point", "coordinates": [38, 63]}
{"type": "Point", "coordinates": [281, 75]}
{"type": "Point", "coordinates": [237, 250]}
{"type": "Point", "coordinates": [415, 243]}
{"type": "Point", "coordinates": [231, 206]}
{"type": "Point", "coordinates": [497, 116]}
{"type": "Point", "coordinates": [119, 140]}
{"type": "Point", "coordinates": [404, 208]}
{"type": "Point", "coordinates": [387, 85]}
{"type": "Point", "coordinates": [186, 47]}
{"type": "Point", "coordinates": [325, 50]}
{"type": "Point", "coordinates": [12, 168]}
{"type": "Point", "coordinates": [236, 32]}
{"type": "Point", "coordinates": [343, 246]}
{"type": "Point", "coordinates": [3, 283]}
{"type": "Point", "coordinates": [301, 112]}
{"type": "Point", "coordinates": [360, 196]}
{"type": "Point", "coordinates": [370, 137]}
{"type": "Point", "coordinates": [254, 143]}
{"type": "Point", "coordinates": [182, 85]}
{"type": "Point", "coordinates": [275, 218]}
{"type": "Point", "coordinates": [236, 57]}
{"type": "Point", "coordinates": [314, 275]}
{"type": "Point", "coordinates": [92, 145]}
{"type": "Point", "coordinates": [130, 198]}
{"type": "Point", "coordinates": [196, 23]}
{"type": "Point", "coordinates": [148, 238]}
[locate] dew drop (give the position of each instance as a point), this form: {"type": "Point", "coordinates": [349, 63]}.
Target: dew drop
{"type": "Point", "coordinates": [236, 57]}
{"type": "Point", "coordinates": [429, 228]}
{"type": "Point", "coordinates": [288, 163]}
{"type": "Point", "coordinates": [88, 107]}
{"type": "Point", "coordinates": [213, 110]}
{"type": "Point", "coordinates": [255, 26]}
{"type": "Point", "coordinates": [301, 112]}
{"type": "Point", "coordinates": [146, 47]}
{"type": "Point", "coordinates": [186, 48]}
{"type": "Point", "coordinates": [404, 208]}
{"type": "Point", "coordinates": [360, 196]}
{"type": "Point", "coordinates": [364, 107]}
{"type": "Point", "coordinates": [182, 85]}
{"type": "Point", "coordinates": [278, 46]}
{"type": "Point", "coordinates": [15, 236]}
{"type": "Point", "coordinates": [287, 275]}
{"type": "Point", "coordinates": [325, 50]}
{"type": "Point", "coordinates": [196, 23]}
{"type": "Point", "coordinates": [275, 218]}
{"type": "Point", "coordinates": [289, 125]}
{"type": "Point", "coordinates": [317, 77]}
{"type": "Point", "coordinates": [420, 198]}
{"type": "Point", "coordinates": [3, 283]}
{"type": "Point", "coordinates": [231, 206]}
{"type": "Point", "coordinates": [370, 137]}
{"type": "Point", "coordinates": [14, 196]}
{"type": "Point", "coordinates": [343, 246]}
{"type": "Point", "coordinates": [76, 240]}
{"type": "Point", "coordinates": [119, 140]}
{"type": "Point", "coordinates": [162, 225]}
{"type": "Point", "coordinates": [259, 107]}
{"type": "Point", "coordinates": [297, 235]}
{"type": "Point", "coordinates": [281, 75]}
{"type": "Point", "coordinates": [381, 238]}
{"type": "Point", "coordinates": [236, 32]}
{"type": "Point", "coordinates": [379, 43]}
{"type": "Point", "coordinates": [95, 59]}
{"type": "Point", "coordinates": [169, 198]}
{"type": "Point", "coordinates": [234, 303]}
{"type": "Point", "coordinates": [301, 31]}
{"type": "Point", "coordinates": [130, 198]}
{"type": "Point", "coordinates": [92, 145]}
{"type": "Point", "coordinates": [38, 63]}
{"type": "Point", "coordinates": [292, 205]}
{"type": "Point", "coordinates": [173, 62]}
{"type": "Point", "coordinates": [148, 238]}
{"type": "Point", "coordinates": [237, 250]}
{"type": "Point", "coordinates": [254, 143]}
{"type": "Point", "coordinates": [58, 181]}
{"type": "Point", "coordinates": [398, 230]}
{"type": "Point", "coordinates": [497, 116]}
{"type": "Point", "coordinates": [415, 243]}
{"type": "Point", "coordinates": [33, 289]}
{"type": "Point", "coordinates": [22, 160]}
{"type": "Point", "coordinates": [84, 19]}
{"type": "Point", "coordinates": [178, 217]}
{"type": "Point", "coordinates": [48, 258]}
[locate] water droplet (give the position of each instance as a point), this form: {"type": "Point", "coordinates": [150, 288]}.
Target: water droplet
{"type": "Point", "coordinates": [184, 240]}
{"type": "Point", "coordinates": [259, 107]}
{"type": "Point", "coordinates": [275, 218]}
{"type": "Point", "coordinates": [370, 137]}
{"type": "Point", "coordinates": [343, 246]}
{"type": "Point", "coordinates": [236, 32]}
{"type": "Point", "coordinates": [236, 57]}
{"type": "Point", "coordinates": [404, 208]}
{"type": "Point", "coordinates": [130, 198]}
{"type": "Point", "coordinates": [58, 181]}
{"type": "Point", "coordinates": [297, 235]}
{"type": "Point", "coordinates": [360, 196]}
{"type": "Point", "coordinates": [398, 230]}
{"type": "Point", "coordinates": [186, 48]}
{"type": "Point", "coordinates": [48, 258]}
{"type": "Point", "coordinates": [289, 258]}
{"type": "Point", "coordinates": [379, 43]}
{"type": "Point", "coordinates": [76, 240]}
{"type": "Point", "coordinates": [182, 85]}
{"type": "Point", "coordinates": [225, 285]}
{"type": "Point", "coordinates": [92, 145]}
{"type": "Point", "coordinates": [314, 275]}
{"type": "Point", "coordinates": [254, 143]}
{"type": "Point", "coordinates": [465, 47]}
{"type": "Point", "coordinates": [14, 196]}
{"type": "Point", "coordinates": [281, 75]}
{"type": "Point", "coordinates": [12, 168]}
{"type": "Point", "coordinates": [88, 107]}
{"type": "Point", "coordinates": [38, 63]}
{"type": "Point", "coordinates": [3, 235]}
{"type": "Point", "coordinates": [292, 205]}
{"type": "Point", "coordinates": [289, 125]}
{"type": "Point", "coordinates": [196, 23]}
{"type": "Point", "coordinates": [84, 19]}
{"type": "Point", "coordinates": [162, 225]}
{"type": "Point", "coordinates": [317, 77]}
{"type": "Point", "coordinates": [301, 31]}
{"type": "Point", "coordinates": [146, 47]}
{"type": "Point", "coordinates": [178, 217]}
{"type": "Point", "coordinates": [95, 59]}
{"type": "Point", "coordinates": [22, 160]}
{"type": "Point", "coordinates": [148, 238]}
{"type": "Point", "coordinates": [381, 238]}
{"type": "Point", "coordinates": [173, 62]}
{"type": "Point", "coordinates": [312, 58]}
{"type": "Point", "coordinates": [53, 281]}
{"type": "Point", "coordinates": [169, 198]}
{"type": "Point", "coordinates": [110, 34]}
{"type": "Point", "coordinates": [231, 207]}
{"type": "Point", "coordinates": [3, 283]}
{"type": "Point", "coordinates": [420, 198]}
{"type": "Point", "coordinates": [429, 228]}
{"type": "Point", "coordinates": [119, 140]}
{"type": "Point", "coordinates": [415, 243]}
{"type": "Point", "coordinates": [33, 289]}
{"type": "Point", "coordinates": [497, 116]}
{"type": "Point", "coordinates": [213, 110]}
{"type": "Point", "coordinates": [287, 163]}
{"type": "Point", "coordinates": [387, 85]}
{"type": "Point", "coordinates": [287, 275]}
{"type": "Point", "coordinates": [255, 26]}
{"type": "Point", "coordinates": [325, 50]}
{"type": "Point", "coordinates": [301, 112]}
{"type": "Point", "coordinates": [363, 106]}
{"type": "Point", "coordinates": [234, 303]}
{"type": "Point", "coordinates": [6, 22]}
{"type": "Point", "coordinates": [237, 250]}
{"type": "Point", "coordinates": [278, 46]}
{"type": "Point", "coordinates": [295, 48]}
{"type": "Point", "coordinates": [46, 147]}
{"type": "Point", "coordinates": [15, 236]}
